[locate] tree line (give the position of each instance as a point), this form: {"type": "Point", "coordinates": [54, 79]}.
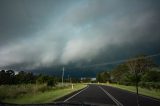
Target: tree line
{"type": "Point", "coordinates": [10, 78]}
{"type": "Point", "coordinates": [139, 70]}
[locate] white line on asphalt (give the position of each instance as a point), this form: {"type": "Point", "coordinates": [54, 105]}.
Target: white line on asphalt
{"type": "Point", "coordinates": [115, 100]}
{"type": "Point", "coordinates": [75, 94]}
{"type": "Point", "coordinates": [134, 93]}
{"type": "Point", "coordinates": [154, 99]}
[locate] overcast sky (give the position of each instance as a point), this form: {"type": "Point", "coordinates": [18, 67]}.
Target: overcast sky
{"type": "Point", "coordinates": [46, 33]}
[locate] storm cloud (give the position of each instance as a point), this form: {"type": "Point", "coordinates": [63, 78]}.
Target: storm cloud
{"type": "Point", "coordinates": [40, 33]}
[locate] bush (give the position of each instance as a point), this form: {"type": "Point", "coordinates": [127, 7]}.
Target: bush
{"type": "Point", "coordinates": [126, 83]}
{"type": "Point", "coordinates": [150, 85]}
{"type": "Point", "coordinates": [51, 82]}
{"type": "Point", "coordinates": [151, 76]}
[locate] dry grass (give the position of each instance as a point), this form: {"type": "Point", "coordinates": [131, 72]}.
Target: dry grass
{"type": "Point", "coordinates": [47, 96]}
{"type": "Point", "coordinates": [14, 91]}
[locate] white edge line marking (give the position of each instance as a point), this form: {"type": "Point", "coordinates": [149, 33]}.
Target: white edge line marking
{"type": "Point", "coordinates": [75, 94]}
{"type": "Point", "coordinates": [140, 95]}
{"type": "Point", "coordinates": [154, 99]}
{"type": "Point", "coordinates": [115, 100]}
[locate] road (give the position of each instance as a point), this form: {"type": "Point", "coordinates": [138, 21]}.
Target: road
{"type": "Point", "coordinates": [101, 95]}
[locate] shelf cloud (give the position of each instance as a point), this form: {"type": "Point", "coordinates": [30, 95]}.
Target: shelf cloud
{"type": "Point", "coordinates": [39, 33]}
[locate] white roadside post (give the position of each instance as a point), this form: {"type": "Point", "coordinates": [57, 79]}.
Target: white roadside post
{"type": "Point", "coordinates": [71, 83]}
{"type": "Point", "coordinates": [72, 86]}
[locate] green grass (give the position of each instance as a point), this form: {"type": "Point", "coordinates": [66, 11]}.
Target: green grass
{"type": "Point", "coordinates": [45, 97]}
{"type": "Point", "coordinates": [148, 92]}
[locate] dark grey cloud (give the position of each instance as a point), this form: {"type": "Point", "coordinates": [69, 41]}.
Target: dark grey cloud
{"type": "Point", "coordinates": [39, 33]}
{"type": "Point", "coordinates": [21, 18]}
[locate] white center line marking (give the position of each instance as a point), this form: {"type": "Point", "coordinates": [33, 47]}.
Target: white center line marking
{"type": "Point", "coordinates": [115, 100]}
{"type": "Point", "coordinates": [75, 94]}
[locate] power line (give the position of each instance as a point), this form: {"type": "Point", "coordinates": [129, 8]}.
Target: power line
{"type": "Point", "coordinates": [116, 62]}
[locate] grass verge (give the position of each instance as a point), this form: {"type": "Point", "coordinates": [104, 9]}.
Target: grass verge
{"type": "Point", "coordinates": [143, 91]}
{"type": "Point", "coordinates": [45, 97]}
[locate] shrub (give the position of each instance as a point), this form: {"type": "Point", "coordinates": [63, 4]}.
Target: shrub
{"type": "Point", "coordinates": [150, 85]}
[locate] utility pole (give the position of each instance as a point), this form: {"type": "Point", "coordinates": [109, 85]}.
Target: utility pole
{"type": "Point", "coordinates": [62, 75]}
{"type": "Point", "coordinates": [68, 78]}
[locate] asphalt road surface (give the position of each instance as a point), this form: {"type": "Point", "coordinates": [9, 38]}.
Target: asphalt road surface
{"type": "Point", "coordinates": [103, 95]}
